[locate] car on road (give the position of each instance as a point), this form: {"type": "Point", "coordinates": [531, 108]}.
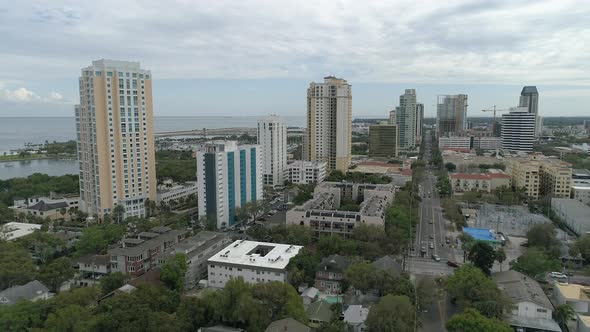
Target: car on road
{"type": "Point", "coordinates": [436, 258]}
{"type": "Point", "coordinates": [558, 275]}
{"type": "Point", "coordinates": [431, 245]}
{"type": "Point", "coordinates": [452, 264]}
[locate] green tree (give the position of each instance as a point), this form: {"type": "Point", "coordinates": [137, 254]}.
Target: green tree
{"type": "Point", "coordinates": [56, 273]}
{"type": "Point", "coordinates": [113, 281]}
{"type": "Point", "coordinates": [302, 267]}
{"type": "Point", "coordinates": [362, 276]}
{"type": "Point", "coordinates": [96, 238]}
{"type": "Point", "coordinates": [194, 313]}
{"type": "Point", "coordinates": [563, 314]}
{"type": "Point", "coordinates": [42, 246]}
{"type": "Point", "coordinates": [281, 300]}
{"type": "Point", "coordinates": [543, 236]}
{"type": "Point", "coordinates": [471, 288]}
{"type": "Point", "coordinates": [450, 167]}
{"type": "Point", "coordinates": [582, 246]}
{"type": "Point", "coordinates": [72, 318]}
{"type": "Point", "coordinates": [534, 262]}
{"type": "Point", "coordinates": [472, 320]}
{"type": "Point", "coordinates": [482, 255]}
{"type": "Point", "coordinates": [119, 213]}
{"type": "Point", "coordinates": [173, 272]}
{"type": "Point", "coordinates": [392, 313]}
{"type": "Point", "coordinates": [500, 257]}
{"type": "Point", "coordinates": [16, 266]}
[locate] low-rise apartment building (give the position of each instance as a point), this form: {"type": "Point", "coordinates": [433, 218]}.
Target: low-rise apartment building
{"type": "Point", "coordinates": [574, 295]}
{"type": "Point", "coordinates": [322, 213]}
{"type": "Point", "coordinates": [254, 261]}
{"type": "Point", "coordinates": [487, 182]}
{"type": "Point", "coordinates": [138, 255]}
{"type": "Point", "coordinates": [460, 143]}
{"type": "Point", "coordinates": [531, 309]}
{"type": "Point", "coordinates": [556, 176]}
{"type": "Point", "coordinates": [305, 172]}
{"type": "Point", "coordinates": [46, 207]}
{"type": "Point", "coordinates": [173, 192]}
{"type": "Point", "coordinates": [540, 176]}
{"type": "Point", "coordinates": [198, 249]}
{"type": "Point", "coordinates": [574, 213]}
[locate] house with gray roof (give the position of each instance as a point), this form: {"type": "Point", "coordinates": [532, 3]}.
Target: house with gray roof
{"type": "Point", "coordinates": [531, 309]}
{"type": "Point", "coordinates": [287, 325]}
{"type": "Point", "coordinates": [355, 317]}
{"type": "Point", "coordinates": [319, 313]}
{"type": "Point", "coordinates": [31, 291]}
{"type": "Point", "coordinates": [330, 274]}
{"type": "Point", "coordinates": [389, 264]}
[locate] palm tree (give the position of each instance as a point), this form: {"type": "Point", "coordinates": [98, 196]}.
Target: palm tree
{"type": "Point", "coordinates": [119, 212]}
{"type": "Point", "coordinates": [562, 315]}
{"type": "Point", "coordinates": [500, 257]}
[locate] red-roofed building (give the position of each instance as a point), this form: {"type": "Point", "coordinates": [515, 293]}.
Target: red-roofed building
{"type": "Point", "coordinates": [488, 182]}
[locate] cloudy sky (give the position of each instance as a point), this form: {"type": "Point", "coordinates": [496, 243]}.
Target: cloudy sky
{"type": "Point", "coordinates": [250, 57]}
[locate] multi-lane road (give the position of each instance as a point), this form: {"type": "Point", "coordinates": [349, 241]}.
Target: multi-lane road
{"type": "Point", "coordinates": [431, 235]}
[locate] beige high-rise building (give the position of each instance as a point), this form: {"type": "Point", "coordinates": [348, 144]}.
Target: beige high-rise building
{"type": "Point", "coordinates": [541, 176]}
{"type": "Point", "coordinates": [114, 124]}
{"type": "Point", "coordinates": [329, 123]}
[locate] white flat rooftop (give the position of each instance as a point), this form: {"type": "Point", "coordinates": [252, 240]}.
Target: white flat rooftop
{"type": "Point", "coordinates": [256, 254]}
{"type": "Point", "coordinates": [14, 230]}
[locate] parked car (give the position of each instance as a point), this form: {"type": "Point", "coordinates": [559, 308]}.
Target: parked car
{"type": "Point", "coordinates": [431, 246]}
{"type": "Point", "coordinates": [431, 236]}
{"type": "Point", "coordinates": [423, 250]}
{"type": "Point", "coordinates": [452, 264]}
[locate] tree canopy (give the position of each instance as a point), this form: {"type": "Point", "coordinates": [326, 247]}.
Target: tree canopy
{"type": "Point", "coordinates": [482, 255]}
{"type": "Point", "coordinates": [471, 288]}
{"type": "Point", "coordinates": [392, 313]}
{"type": "Point", "coordinates": [472, 320]}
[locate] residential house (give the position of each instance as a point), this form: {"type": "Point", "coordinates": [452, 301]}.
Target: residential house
{"type": "Point", "coordinates": [355, 317]}
{"type": "Point", "coordinates": [92, 268]}
{"type": "Point", "coordinates": [330, 274]}
{"type": "Point", "coordinates": [531, 309]}
{"type": "Point", "coordinates": [389, 264]}
{"type": "Point", "coordinates": [31, 291]}
{"type": "Point", "coordinates": [318, 313]}
{"type": "Point", "coordinates": [287, 325]}
{"type": "Point", "coordinates": [309, 295]}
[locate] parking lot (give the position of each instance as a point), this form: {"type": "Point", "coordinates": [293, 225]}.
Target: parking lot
{"type": "Point", "coordinates": [512, 220]}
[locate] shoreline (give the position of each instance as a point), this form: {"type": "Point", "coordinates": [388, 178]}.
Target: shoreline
{"type": "Point", "coordinates": [3, 160]}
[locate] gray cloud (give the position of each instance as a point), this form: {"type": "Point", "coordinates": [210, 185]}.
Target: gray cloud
{"type": "Point", "coordinates": [390, 41]}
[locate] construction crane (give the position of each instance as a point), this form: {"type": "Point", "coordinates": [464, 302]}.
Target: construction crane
{"type": "Point", "coordinates": [493, 109]}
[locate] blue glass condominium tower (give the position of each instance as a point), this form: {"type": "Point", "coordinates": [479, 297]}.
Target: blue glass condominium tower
{"type": "Point", "coordinates": [228, 176]}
